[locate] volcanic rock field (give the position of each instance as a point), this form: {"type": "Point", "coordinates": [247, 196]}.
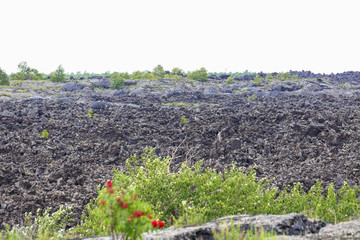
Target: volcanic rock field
{"type": "Point", "coordinates": [297, 130]}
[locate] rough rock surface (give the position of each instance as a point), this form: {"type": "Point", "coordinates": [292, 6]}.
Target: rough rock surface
{"type": "Point", "coordinates": [287, 227]}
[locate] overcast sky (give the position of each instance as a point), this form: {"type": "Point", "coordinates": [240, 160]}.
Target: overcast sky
{"type": "Point", "coordinates": [225, 35]}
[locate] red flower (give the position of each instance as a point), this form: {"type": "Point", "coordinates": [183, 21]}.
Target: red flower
{"type": "Point", "coordinates": [134, 197]}
{"type": "Point", "coordinates": [109, 183]}
{"type": "Point", "coordinates": [137, 213]}
{"type": "Point", "coordinates": [161, 224]}
{"type": "Point", "coordinates": [118, 200]}
{"type": "Point", "coordinates": [149, 216]}
{"type": "Point", "coordinates": [154, 223]}
{"type": "Point", "coordinates": [124, 205]}
{"type": "Point", "coordinates": [130, 218]}
{"type": "Point", "coordinates": [102, 202]}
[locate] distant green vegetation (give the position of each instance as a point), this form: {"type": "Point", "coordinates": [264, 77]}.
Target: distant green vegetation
{"type": "Point", "coordinates": [282, 76]}
{"type": "Point", "coordinates": [233, 74]}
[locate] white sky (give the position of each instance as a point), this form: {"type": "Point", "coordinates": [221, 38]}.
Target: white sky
{"type": "Point", "coordinates": [224, 35]}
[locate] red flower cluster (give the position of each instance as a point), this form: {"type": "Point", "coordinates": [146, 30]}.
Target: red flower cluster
{"type": "Point", "coordinates": [159, 224]}
{"type": "Point", "coordinates": [138, 213]}
{"type": "Point", "coordinates": [124, 204]}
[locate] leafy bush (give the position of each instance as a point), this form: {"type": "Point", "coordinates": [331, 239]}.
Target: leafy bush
{"type": "Point", "coordinates": [26, 73]}
{"type": "Point", "coordinates": [177, 71]}
{"type": "Point", "coordinates": [172, 76]}
{"type": "Point", "coordinates": [229, 80]}
{"type": "Point", "coordinates": [199, 75]}
{"type": "Point", "coordinates": [283, 76]}
{"type": "Point", "coordinates": [136, 75]}
{"type": "Point", "coordinates": [159, 72]}
{"type": "Point", "coordinates": [4, 78]}
{"type": "Point", "coordinates": [118, 79]}
{"type": "Point", "coordinates": [183, 120]}
{"type": "Point", "coordinates": [257, 80]}
{"type": "Point", "coordinates": [194, 191]}
{"type": "Point", "coordinates": [46, 226]}
{"type": "Point", "coordinates": [148, 75]}
{"type": "Point", "coordinates": [58, 75]}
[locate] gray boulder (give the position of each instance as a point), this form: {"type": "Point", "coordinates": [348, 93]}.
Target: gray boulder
{"type": "Point", "coordinates": [345, 230]}
{"type": "Point", "coordinates": [103, 83]}
{"type": "Point", "coordinates": [210, 91]}
{"type": "Point", "coordinates": [73, 86]}
{"type": "Point", "coordinates": [100, 105]}
{"type": "Point", "coordinates": [130, 82]}
{"type": "Point", "coordinates": [7, 114]}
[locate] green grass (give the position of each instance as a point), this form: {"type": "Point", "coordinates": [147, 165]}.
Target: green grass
{"type": "Point", "coordinates": [5, 95]}
{"type": "Point", "coordinates": [194, 195]}
{"type": "Point", "coordinates": [235, 233]}
{"type": "Point", "coordinates": [182, 104]}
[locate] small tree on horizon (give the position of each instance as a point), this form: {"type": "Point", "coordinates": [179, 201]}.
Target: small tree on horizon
{"type": "Point", "coordinates": [159, 71]}
{"type": "Point", "coordinates": [58, 75]}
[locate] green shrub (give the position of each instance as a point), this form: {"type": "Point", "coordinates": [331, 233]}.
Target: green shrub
{"type": "Point", "coordinates": [148, 75]}
{"type": "Point", "coordinates": [118, 79]}
{"type": "Point", "coordinates": [45, 226]}
{"type": "Point", "coordinates": [176, 71]}
{"type": "Point", "coordinates": [172, 76]}
{"type": "Point", "coordinates": [195, 191]}
{"type": "Point", "coordinates": [58, 75]}
{"type": "Point", "coordinates": [229, 80]}
{"type": "Point", "coordinates": [269, 77]}
{"type": "Point", "coordinates": [283, 76]}
{"type": "Point", "coordinates": [257, 80]}
{"type": "Point", "coordinates": [252, 97]}
{"type": "Point", "coordinates": [199, 75]}
{"type": "Point", "coordinates": [136, 75]}
{"type": "Point", "coordinates": [4, 78]}
{"type": "Point", "coordinates": [44, 133]}
{"type": "Point", "coordinates": [159, 72]}
{"type": "Point", "coordinates": [183, 120]}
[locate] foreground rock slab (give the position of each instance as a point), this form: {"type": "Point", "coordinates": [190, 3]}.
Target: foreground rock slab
{"type": "Point", "coordinates": [290, 226]}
